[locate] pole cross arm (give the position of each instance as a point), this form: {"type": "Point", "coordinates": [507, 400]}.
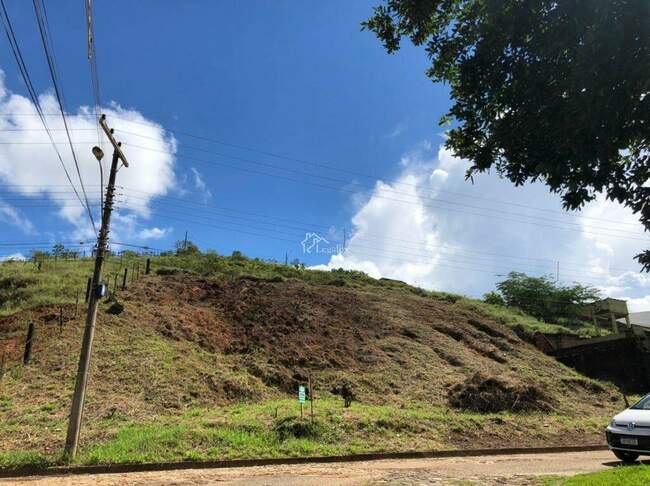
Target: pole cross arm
{"type": "Point", "coordinates": [116, 144]}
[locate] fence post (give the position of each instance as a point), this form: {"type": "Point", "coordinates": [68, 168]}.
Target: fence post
{"type": "Point", "coordinates": [90, 281]}
{"type": "Point", "coordinates": [124, 279]}
{"type": "Point", "coordinates": [311, 397]}
{"type": "Point", "coordinates": [76, 305]}
{"type": "Point", "coordinates": [28, 344]}
{"type": "Point", "coordinates": [60, 319]}
{"type": "Point", "coordinates": [147, 269]}
{"type": "Point", "coordinates": [2, 362]}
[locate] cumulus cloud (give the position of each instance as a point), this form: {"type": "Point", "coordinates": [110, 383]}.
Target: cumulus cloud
{"type": "Point", "coordinates": [432, 228]}
{"type": "Point", "coordinates": [154, 233]}
{"type": "Point", "coordinates": [30, 167]}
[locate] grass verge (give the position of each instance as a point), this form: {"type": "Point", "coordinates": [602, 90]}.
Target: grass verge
{"type": "Point", "coordinates": [274, 429]}
{"type": "Point", "coordinates": [618, 476]}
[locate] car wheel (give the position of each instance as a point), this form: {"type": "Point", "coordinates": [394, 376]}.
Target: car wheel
{"type": "Point", "coordinates": [626, 456]}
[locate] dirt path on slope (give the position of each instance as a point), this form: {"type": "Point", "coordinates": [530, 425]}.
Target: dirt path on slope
{"type": "Point", "coordinates": [518, 470]}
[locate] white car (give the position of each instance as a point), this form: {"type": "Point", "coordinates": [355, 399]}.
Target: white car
{"type": "Point", "coordinates": [628, 434]}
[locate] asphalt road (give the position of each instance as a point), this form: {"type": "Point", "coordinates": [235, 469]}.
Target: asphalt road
{"type": "Point", "coordinates": [521, 469]}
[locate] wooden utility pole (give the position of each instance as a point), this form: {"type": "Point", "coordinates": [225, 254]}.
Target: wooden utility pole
{"type": "Point", "coordinates": [76, 412]}
{"type": "Point", "coordinates": [88, 285]}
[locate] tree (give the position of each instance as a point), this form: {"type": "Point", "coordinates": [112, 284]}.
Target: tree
{"type": "Point", "coordinates": [550, 90]}
{"type": "Point", "coordinates": [186, 247]}
{"type": "Point", "coordinates": [58, 250]}
{"type": "Point", "coordinates": [541, 297]}
{"type": "Point", "coordinates": [493, 298]}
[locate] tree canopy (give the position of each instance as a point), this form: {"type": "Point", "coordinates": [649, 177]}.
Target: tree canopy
{"type": "Point", "coordinates": [541, 297]}
{"type": "Point", "coordinates": [549, 90]}
{"type": "Point", "coordinates": [186, 247]}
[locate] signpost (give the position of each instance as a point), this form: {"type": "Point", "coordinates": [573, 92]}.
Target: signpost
{"type": "Point", "coordinates": [301, 397]}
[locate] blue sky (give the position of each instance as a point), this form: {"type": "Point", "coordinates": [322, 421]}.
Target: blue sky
{"type": "Point", "coordinates": [297, 79]}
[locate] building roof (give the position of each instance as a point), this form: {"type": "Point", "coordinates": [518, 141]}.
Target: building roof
{"type": "Point", "coordinates": [638, 319]}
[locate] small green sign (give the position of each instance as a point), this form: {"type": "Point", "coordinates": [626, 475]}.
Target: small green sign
{"type": "Point", "coordinates": [301, 394]}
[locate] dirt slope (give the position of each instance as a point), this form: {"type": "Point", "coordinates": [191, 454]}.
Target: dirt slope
{"type": "Point", "coordinates": [181, 341]}
{"type": "Point", "coordinates": [390, 345]}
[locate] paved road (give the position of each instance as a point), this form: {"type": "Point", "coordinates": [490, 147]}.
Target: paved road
{"type": "Point", "coordinates": [520, 470]}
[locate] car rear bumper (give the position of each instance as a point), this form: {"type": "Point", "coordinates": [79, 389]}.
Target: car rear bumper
{"type": "Point", "coordinates": [614, 442]}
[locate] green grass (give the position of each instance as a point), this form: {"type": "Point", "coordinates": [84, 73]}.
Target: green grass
{"type": "Point", "coordinates": [24, 286]}
{"type": "Point", "coordinates": [274, 429]}
{"type": "Point", "coordinates": [623, 476]}
{"type": "Point", "coordinates": [18, 459]}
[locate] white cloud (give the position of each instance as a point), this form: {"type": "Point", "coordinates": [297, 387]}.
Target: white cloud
{"type": "Point", "coordinates": [30, 165]}
{"type": "Point", "coordinates": [398, 129]}
{"type": "Point", "coordinates": [154, 233]}
{"type": "Point", "coordinates": [9, 214]}
{"type": "Point", "coordinates": [200, 185]}
{"type": "Point", "coordinates": [434, 229]}
{"type": "Point", "coordinates": [13, 257]}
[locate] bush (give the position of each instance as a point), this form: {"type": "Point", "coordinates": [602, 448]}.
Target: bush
{"type": "Point", "coordinates": [297, 428]}
{"type": "Point", "coordinates": [167, 271]}
{"type": "Point", "coordinates": [488, 394]}
{"type": "Point", "coordinates": [493, 298]}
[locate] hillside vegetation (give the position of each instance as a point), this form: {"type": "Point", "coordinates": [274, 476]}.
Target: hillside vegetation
{"type": "Point", "coordinates": [202, 359]}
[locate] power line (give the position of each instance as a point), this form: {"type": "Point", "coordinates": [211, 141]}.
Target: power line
{"type": "Point", "coordinates": [44, 31]}
{"type": "Point", "coordinates": [281, 236]}
{"type": "Point", "coordinates": [330, 167]}
{"type": "Point", "coordinates": [24, 72]}
{"type": "Point", "coordinates": [309, 226]}
{"type": "Point", "coordinates": [439, 249]}
{"type": "Point", "coordinates": [347, 183]}
{"type": "Point", "coordinates": [320, 165]}
{"type": "Point", "coordinates": [494, 214]}
{"type": "Point", "coordinates": [312, 225]}
{"type": "Point", "coordinates": [619, 235]}
{"type": "Point", "coordinates": [92, 59]}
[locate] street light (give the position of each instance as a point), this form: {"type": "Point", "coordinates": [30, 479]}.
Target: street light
{"type": "Point", "coordinates": [98, 153]}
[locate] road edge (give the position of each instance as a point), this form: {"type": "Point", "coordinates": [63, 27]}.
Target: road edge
{"type": "Point", "coordinates": [378, 456]}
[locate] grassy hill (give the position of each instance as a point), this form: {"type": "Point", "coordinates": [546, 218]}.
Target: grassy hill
{"type": "Point", "coordinates": [202, 360]}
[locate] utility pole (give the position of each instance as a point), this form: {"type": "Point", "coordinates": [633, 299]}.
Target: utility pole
{"type": "Point", "coordinates": [74, 426]}
{"type": "Point", "coordinates": [185, 242]}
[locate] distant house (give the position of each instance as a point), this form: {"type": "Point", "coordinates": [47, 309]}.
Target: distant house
{"type": "Point", "coordinates": [606, 313]}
